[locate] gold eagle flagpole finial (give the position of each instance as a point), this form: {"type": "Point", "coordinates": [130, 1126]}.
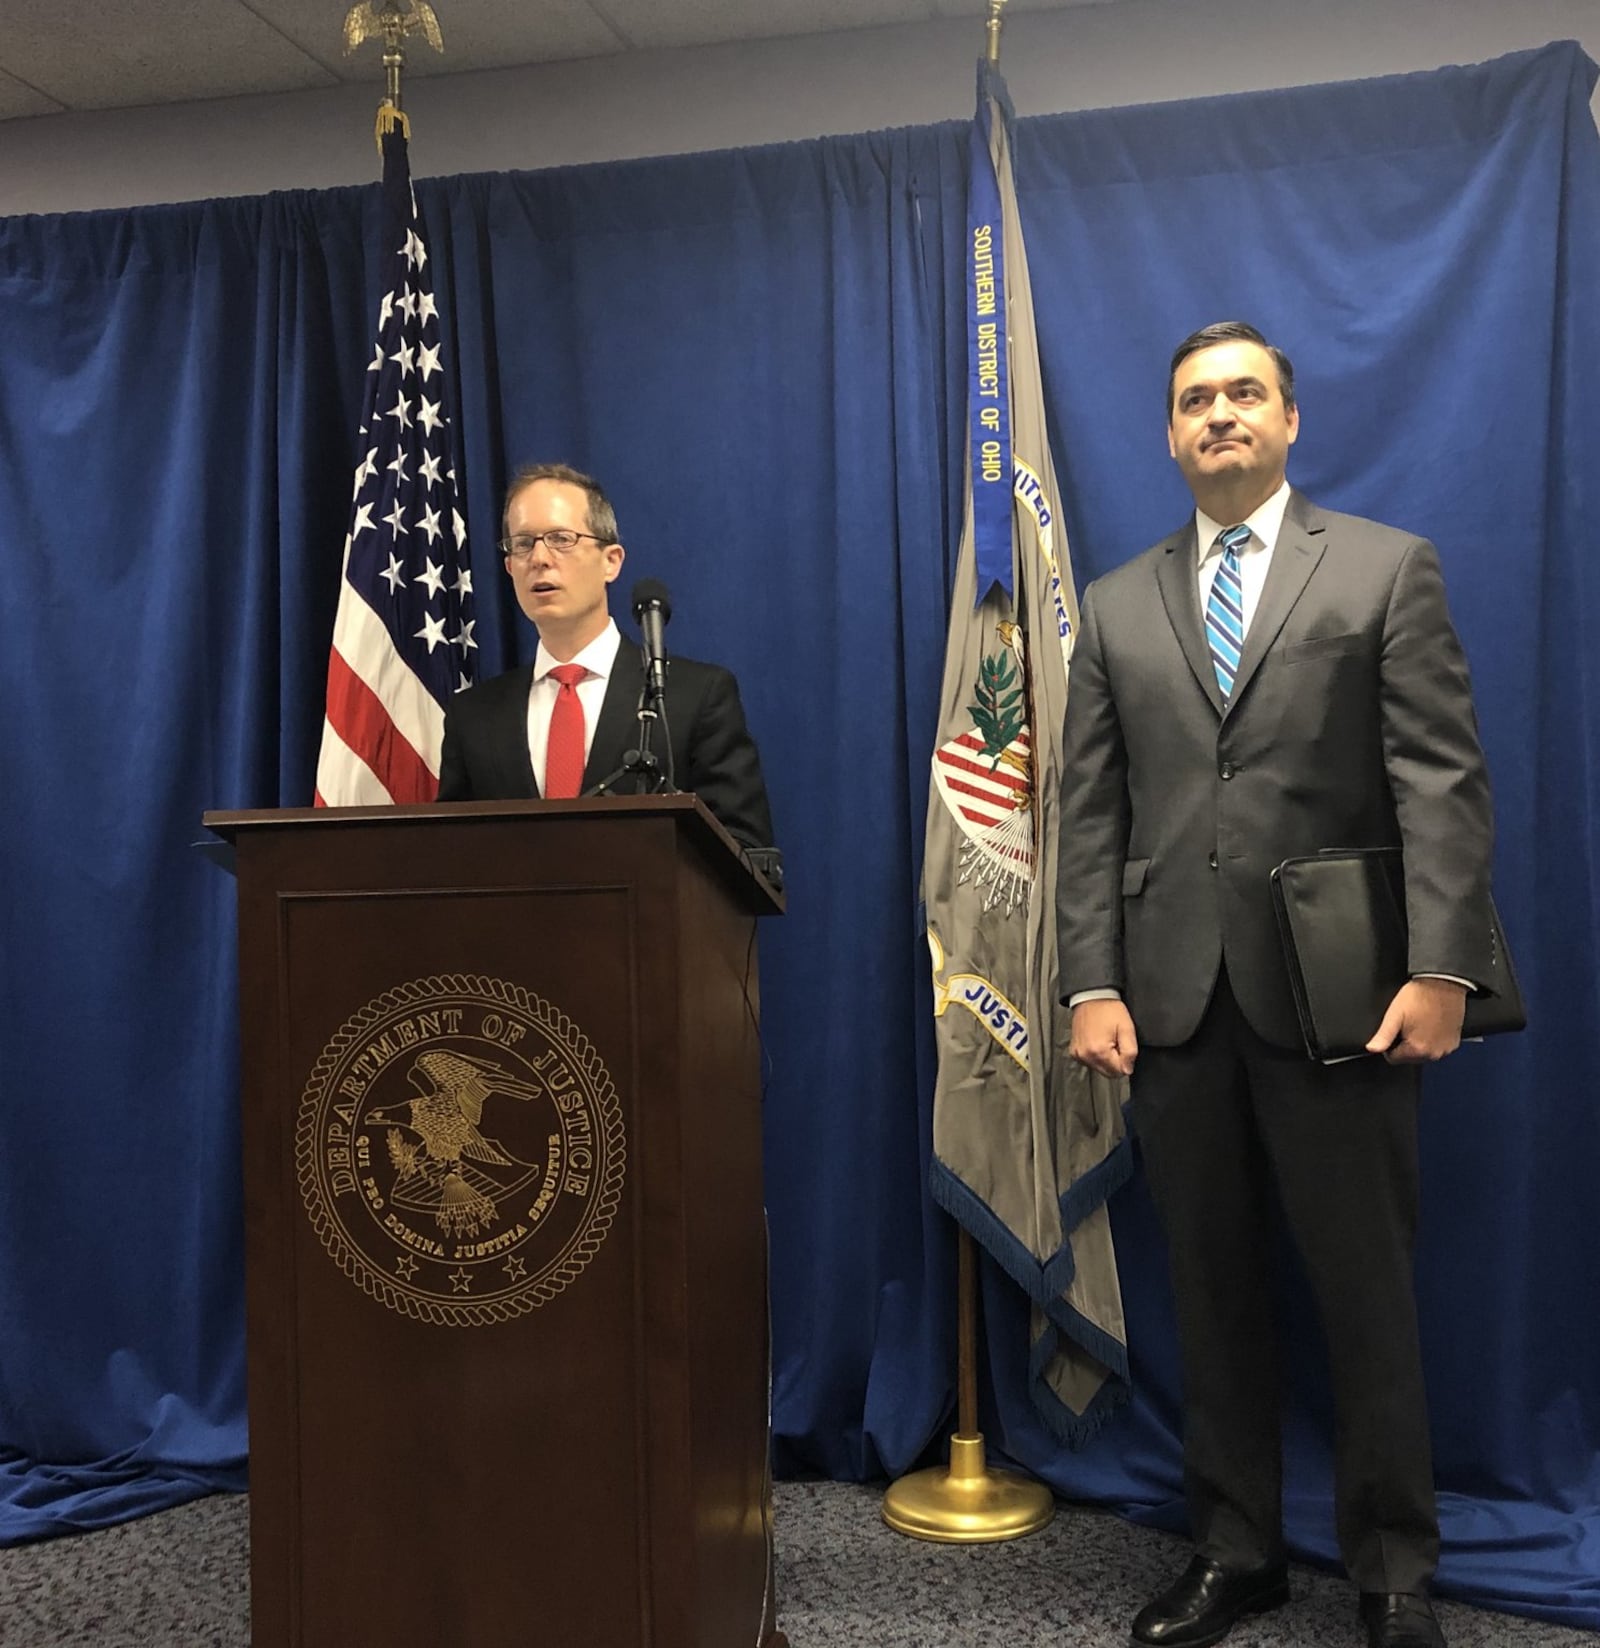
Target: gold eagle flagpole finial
{"type": "Point", "coordinates": [993, 27]}
{"type": "Point", "coordinates": [387, 21]}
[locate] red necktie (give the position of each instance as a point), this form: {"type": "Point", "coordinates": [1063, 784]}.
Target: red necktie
{"type": "Point", "coordinates": [563, 756]}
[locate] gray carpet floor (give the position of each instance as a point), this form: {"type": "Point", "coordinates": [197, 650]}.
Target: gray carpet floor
{"type": "Point", "coordinates": [179, 1580]}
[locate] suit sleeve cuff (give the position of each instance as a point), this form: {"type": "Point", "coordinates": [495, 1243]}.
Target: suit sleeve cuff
{"type": "Point", "coordinates": [1093, 995]}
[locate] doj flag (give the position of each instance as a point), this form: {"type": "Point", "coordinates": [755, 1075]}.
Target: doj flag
{"type": "Point", "coordinates": [1027, 1144]}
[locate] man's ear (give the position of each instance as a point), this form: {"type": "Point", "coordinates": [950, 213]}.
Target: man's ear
{"type": "Point", "coordinates": [615, 556]}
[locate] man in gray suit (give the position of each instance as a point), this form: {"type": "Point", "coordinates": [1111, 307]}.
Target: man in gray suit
{"type": "Point", "coordinates": [1239, 697]}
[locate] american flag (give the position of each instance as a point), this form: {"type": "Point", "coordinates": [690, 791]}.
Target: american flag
{"type": "Point", "coordinates": [402, 638]}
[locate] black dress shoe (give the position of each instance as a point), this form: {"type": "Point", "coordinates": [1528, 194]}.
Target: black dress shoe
{"type": "Point", "coordinates": [1207, 1602]}
{"type": "Point", "coordinates": [1395, 1620]}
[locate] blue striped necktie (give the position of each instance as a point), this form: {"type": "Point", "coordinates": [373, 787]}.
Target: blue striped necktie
{"type": "Point", "coordinates": [1225, 610]}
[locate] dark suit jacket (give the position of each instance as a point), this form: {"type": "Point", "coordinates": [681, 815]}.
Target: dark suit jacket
{"type": "Point", "coordinates": [1350, 725]}
{"type": "Point", "coordinates": [486, 758]}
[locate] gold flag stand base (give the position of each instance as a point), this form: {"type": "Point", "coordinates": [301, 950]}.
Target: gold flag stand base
{"type": "Point", "coordinates": [968, 1503]}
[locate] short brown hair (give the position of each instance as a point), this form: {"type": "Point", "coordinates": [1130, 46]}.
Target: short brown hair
{"type": "Point", "coordinates": [1231, 331]}
{"type": "Point", "coordinates": [602, 517]}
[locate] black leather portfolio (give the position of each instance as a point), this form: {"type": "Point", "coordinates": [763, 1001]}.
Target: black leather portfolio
{"type": "Point", "coordinates": [1342, 917]}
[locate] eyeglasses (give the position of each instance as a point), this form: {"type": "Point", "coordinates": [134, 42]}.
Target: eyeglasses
{"type": "Point", "coordinates": [559, 540]}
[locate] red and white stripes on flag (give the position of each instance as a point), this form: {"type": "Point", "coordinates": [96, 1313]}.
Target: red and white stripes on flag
{"type": "Point", "coordinates": [987, 791]}
{"type": "Point", "coordinates": [402, 637]}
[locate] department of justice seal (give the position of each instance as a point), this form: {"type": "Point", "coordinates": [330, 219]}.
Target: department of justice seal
{"type": "Point", "coordinates": [460, 1150]}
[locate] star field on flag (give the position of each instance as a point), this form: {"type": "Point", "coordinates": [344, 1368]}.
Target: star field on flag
{"type": "Point", "coordinates": [402, 639]}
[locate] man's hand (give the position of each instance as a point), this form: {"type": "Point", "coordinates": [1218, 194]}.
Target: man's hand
{"type": "Point", "coordinates": [1423, 1022]}
{"type": "Point", "coordinates": [1103, 1038]}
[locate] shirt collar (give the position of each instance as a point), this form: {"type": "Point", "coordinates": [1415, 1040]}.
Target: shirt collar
{"type": "Point", "coordinates": [1265, 525]}
{"type": "Point", "coordinates": [598, 657]}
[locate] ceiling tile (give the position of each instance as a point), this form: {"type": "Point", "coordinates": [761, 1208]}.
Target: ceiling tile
{"type": "Point", "coordinates": [148, 51]}
{"type": "Point", "coordinates": [478, 34]}
{"type": "Point", "coordinates": [649, 23]}
{"type": "Point", "coordinates": [978, 11]}
{"type": "Point", "coordinates": [75, 56]}
{"type": "Point", "coordinates": [18, 101]}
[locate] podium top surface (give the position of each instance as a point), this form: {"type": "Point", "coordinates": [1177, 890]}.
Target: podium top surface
{"type": "Point", "coordinates": [693, 812]}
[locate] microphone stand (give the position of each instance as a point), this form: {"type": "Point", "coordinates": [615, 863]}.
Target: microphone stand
{"type": "Point", "coordinates": [641, 763]}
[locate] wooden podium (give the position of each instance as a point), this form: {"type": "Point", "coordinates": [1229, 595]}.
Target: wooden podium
{"type": "Point", "coordinates": [506, 1253]}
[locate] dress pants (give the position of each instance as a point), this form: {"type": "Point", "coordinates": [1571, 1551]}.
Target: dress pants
{"type": "Point", "coordinates": [1224, 1121]}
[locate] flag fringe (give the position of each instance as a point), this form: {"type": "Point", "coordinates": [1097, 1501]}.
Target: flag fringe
{"type": "Point", "coordinates": [1044, 1281]}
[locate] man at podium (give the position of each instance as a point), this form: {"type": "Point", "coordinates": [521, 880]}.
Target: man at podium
{"type": "Point", "coordinates": [566, 723]}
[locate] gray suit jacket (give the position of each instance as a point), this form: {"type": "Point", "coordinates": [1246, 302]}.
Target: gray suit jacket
{"type": "Point", "coordinates": [1351, 725]}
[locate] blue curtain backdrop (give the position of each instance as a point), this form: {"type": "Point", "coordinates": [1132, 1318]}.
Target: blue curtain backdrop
{"type": "Point", "coordinates": [761, 353]}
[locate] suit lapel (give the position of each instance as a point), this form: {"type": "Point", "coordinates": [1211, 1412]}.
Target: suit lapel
{"type": "Point", "coordinates": [508, 732]}
{"type": "Point", "coordinates": [617, 730]}
{"type": "Point", "coordinates": [1301, 542]}
{"type": "Point", "coordinates": [1177, 573]}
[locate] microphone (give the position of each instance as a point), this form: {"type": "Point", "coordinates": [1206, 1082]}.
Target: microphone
{"type": "Point", "coordinates": [652, 609]}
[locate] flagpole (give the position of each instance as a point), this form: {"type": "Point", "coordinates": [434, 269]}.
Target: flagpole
{"type": "Point", "coordinates": [993, 27]}
{"type": "Point", "coordinates": [965, 1502]}
{"type": "Point", "coordinates": [368, 21]}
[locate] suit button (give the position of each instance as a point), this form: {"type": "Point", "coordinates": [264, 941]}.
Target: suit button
{"type": "Point", "coordinates": [1226, 770]}
{"type": "Point", "coordinates": [1211, 859]}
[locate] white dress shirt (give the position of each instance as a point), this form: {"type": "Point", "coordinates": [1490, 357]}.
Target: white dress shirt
{"type": "Point", "coordinates": [599, 658]}
{"type": "Point", "coordinates": [1254, 558]}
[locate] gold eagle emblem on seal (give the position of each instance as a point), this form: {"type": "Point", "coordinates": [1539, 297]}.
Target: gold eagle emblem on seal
{"type": "Point", "coordinates": [460, 1151]}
